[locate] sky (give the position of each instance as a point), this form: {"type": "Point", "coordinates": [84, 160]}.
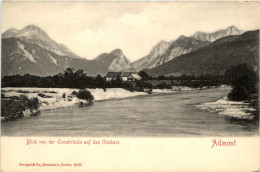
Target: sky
{"type": "Point", "coordinates": [92, 28]}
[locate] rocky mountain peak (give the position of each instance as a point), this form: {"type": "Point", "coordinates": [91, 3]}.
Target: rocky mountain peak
{"type": "Point", "coordinates": [32, 31]}
{"type": "Point", "coordinates": [119, 62]}
{"type": "Point", "coordinates": [161, 43]}
{"type": "Point", "coordinates": [117, 52]}
{"type": "Point", "coordinates": [9, 33]}
{"type": "Point", "coordinates": [32, 51]}
{"type": "Point", "coordinates": [32, 27]}
{"type": "Point", "coordinates": [233, 30]}
{"type": "Point", "coordinates": [159, 49]}
{"type": "Point", "coordinates": [12, 30]}
{"type": "Point", "coordinates": [214, 59]}
{"type": "Point", "coordinates": [198, 33]}
{"type": "Point", "coordinates": [35, 35]}
{"type": "Point", "coordinates": [232, 27]}
{"type": "Point", "coordinates": [182, 36]}
{"type": "Point", "coordinates": [204, 36]}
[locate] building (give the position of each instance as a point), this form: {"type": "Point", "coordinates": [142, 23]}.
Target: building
{"type": "Point", "coordinates": [112, 75]}
{"type": "Point", "coordinates": [124, 76]}
{"type": "Point", "coordinates": [136, 76]}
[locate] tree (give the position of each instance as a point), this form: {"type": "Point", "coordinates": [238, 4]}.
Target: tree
{"type": "Point", "coordinates": [69, 77]}
{"type": "Point", "coordinates": [45, 83]}
{"type": "Point", "coordinates": [244, 81]}
{"type": "Point", "coordinates": [144, 75]}
{"type": "Point", "coordinates": [99, 82]}
{"type": "Point", "coordinates": [79, 79]}
{"type": "Point", "coordinates": [117, 83]}
{"type": "Point", "coordinates": [162, 77]}
{"type": "Point", "coordinates": [139, 86]}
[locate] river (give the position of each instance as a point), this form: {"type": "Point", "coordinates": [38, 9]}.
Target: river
{"type": "Point", "coordinates": [164, 115]}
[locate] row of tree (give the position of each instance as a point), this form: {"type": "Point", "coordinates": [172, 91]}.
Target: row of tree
{"type": "Point", "coordinates": [69, 79]}
{"type": "Point", "coordinates": [243, 79]}
{"type": "Point", "coordinates": [146, 76]}
{"type": "Point", "coordinates": [78, 79]}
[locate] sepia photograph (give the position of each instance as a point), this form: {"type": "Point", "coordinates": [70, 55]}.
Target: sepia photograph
{"type": "Point", "coordinates": [133, 70]}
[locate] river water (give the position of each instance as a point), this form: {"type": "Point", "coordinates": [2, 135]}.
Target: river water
{"type": "Point", "coordinates": [164, 115]}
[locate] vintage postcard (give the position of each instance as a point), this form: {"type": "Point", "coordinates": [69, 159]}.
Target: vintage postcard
{"type": "Point", "coordinates": [130, 86]}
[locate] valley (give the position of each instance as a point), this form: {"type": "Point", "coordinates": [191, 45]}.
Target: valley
{"type": "Point", "coordinates": [39, 74]}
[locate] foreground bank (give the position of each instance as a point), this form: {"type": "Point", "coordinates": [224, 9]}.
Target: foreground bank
{"type": "Point", "coordinates": [53, 98]}
{"type": "Point", "coordinates": [236, 109]}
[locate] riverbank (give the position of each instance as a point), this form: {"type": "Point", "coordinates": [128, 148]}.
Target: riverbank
{"type": "Point", "coordinates": [154, 115]}
{"type": "Point", "coordinates": [235, 109]}
{"type": "Point", "coordinates": [55, 98]}
{"type": "Point", "coordinates": [52, 98]}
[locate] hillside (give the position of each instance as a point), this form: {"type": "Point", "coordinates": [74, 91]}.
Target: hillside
{"type": "Point", "coordinates": [153, 58]}
{"type": "Point", "coordinates": [115, 61]}
{"type": "Point", "coordinates": [165, 51]}
{"type": "Point", "coordinates": [215, 58]}
{"type": "Point", "coordinates": [32, 51]}
{"type": "Point", "coordinates": [20, 57]}
{"type": "Point", "coordinates": [182, 46]}
{"type": "Point", "coordinates": [10, 33]}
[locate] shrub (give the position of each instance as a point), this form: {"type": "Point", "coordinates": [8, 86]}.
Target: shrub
{"type": "Point", "coordinates": [85, 95]}
{"type": "Point", "coordinates": [163, 86]}
{"type": "Point", "coordinates": [139, 86]}
{"type": "Point", "coordinates": [44, 102]}
{"type": "Point", "coordinates": [144, 75]}
{"type": "Point", "coordinates": [43, 95]}
{"type": "Point", "coordinates": [21, 91]}
{"type": "Point", "coordinates": [74, 93]}
{"type": "Point", "coordinates": [14, 107]}
{"type": "Point", "coordinates": [253, 100]}
{"type": "Point", "coordinates": [148, 85]}
{"type": "Point", "coordinates": [33, 104]}
{"type": "Point", "coordinates": [70, 98]}
{"type": "Point", "coordinates": [131, 88]}
{"type": "Point", "coordinates": [238, 93]}
{"type": "Point", "coordinates": [11, 109]}
{"type": "Point", "coordinates": [22, 97]}
{"type": "Point", "coordinates": [244, 81]}
{"type": "Point", "coordinates": [149, 91]}
{"type": "Point", "coordinates": [54, 92]}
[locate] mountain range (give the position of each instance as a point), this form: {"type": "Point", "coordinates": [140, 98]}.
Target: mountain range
{"type": "Point", "coordinates": [164, 51]}
{"type": "Point", "coordinates": [214, 58]}
{"type": "Point", "coordinates": [203, 36]}
{"type": "Point", "coordinates": [31, 50]}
